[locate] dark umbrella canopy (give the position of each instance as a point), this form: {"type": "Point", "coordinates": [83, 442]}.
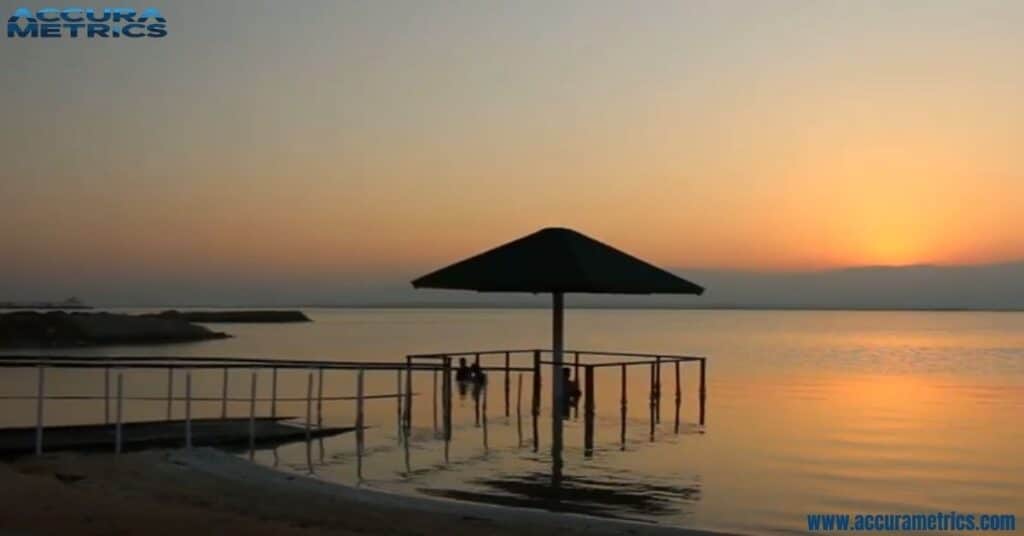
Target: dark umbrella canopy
{"type": "Point", "coordinates": [557, 260]}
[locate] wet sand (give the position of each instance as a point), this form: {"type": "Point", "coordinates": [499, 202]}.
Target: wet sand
{"type": "Point", "coordinates": [211, 492]}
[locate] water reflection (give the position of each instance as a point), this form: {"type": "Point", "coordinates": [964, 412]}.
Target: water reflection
{"type": "Point", "coordinates": [607, 496]}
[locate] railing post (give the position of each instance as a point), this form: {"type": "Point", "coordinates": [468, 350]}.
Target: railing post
{"type": "Point", "coordinates": [483, 400]}
{"type": "Point", "coordinates": [703, 389]}
{"type": "Point", "coordinates": [519, 409]}
{"type": "Point", "coordinates": [398, 402]}
{"type": "Point", "coordinates": [320, 398]}
{"type": "Point", "coordinates": [188, 409]}
{"type": "Point", "coordinates": [252, 417]}
{"type": "Point", "coordinates": [622, 410]}
{"type": "Point", "coordinates": [106, 395]}
{"type": "Point", "coordinates": [120, 398]}
{"type": "Point", "coordinates": [359, 424]}
{"type": "Point", "coordinates": [657, 390]}
{"type": "Point", "coordinates": [588, 412]}
{"type": "Point", "coordinates": [446, 378]}
{"type": "Point", "coordinates": [273, 393]}
{"type": "Point", "coordinates": [507, 383]}
{"type": "Point", "coordinates": [476, 406]}
{"type": "Point", "coordinates": [224, 396]}
{"type": "Point", "coordinates": [40, 396]}
{"type": "Point", "coordinates": [170, 392]}
{"type": "Point", "coordinates": [679, 396]}
{"type": "Point", "coordinates": [309, 419]}
{"type": "Point", "coordinates": [651, 402]}
{"type": "Point", "coordinates": [535, 407]}
{"type": "Point", "coordinates": [408, 398]}
{"type": "Point", "coordinates": [576, 377]}
{"type": "Point", "coordinates": [434, 405]}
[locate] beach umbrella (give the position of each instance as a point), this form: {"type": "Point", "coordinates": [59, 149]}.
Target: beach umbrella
{"type": "Point", "coordinates": [557, 261]}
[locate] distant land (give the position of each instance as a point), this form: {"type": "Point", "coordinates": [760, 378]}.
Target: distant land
{"type": "Point", "coordinates": [68, 304]}
{"type": "Point", "coordinates": [989, 287]}
{"type": "Point", "coordinates": [995, 287]}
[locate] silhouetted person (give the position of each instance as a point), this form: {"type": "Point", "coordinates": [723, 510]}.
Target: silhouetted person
{"type": "Point", "coordinates": [463, 377]}
{"type": "Point", "coordinates": [463, 373]}
{"type": "Point", "coordinates": [477, 374]}
{"type": "Point", "coordinates": [570, 392]}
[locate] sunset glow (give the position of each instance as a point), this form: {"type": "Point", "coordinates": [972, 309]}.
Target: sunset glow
{"type": "Point", "coordinates": [383, 141]}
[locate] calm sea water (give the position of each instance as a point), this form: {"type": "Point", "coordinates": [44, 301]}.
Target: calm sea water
{"type": "Point", "coordinates": [807, 411]}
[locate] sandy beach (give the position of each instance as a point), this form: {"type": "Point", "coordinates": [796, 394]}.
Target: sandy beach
{"type": "Point", "coordinates": [210, 492]}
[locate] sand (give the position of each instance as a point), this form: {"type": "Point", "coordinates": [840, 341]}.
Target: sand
{"type": "Point", "coordinates": [211, 492]}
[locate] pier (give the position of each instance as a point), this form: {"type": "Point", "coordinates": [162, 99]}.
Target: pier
{"type": "Point", "coordinates": [183, 427]}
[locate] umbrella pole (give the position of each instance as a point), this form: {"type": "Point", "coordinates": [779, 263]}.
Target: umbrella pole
{"type": "Point", "coordinates": [556, 388]}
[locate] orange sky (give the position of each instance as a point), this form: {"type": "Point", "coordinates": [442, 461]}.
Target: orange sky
{"type": "Point", "coordinates": [386, 138]}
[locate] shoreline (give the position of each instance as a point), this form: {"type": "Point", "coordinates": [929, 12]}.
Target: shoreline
{"type": "Point", "coordinates": [207, 491]}
{"type": "Point", "coordinates": [581, 307]}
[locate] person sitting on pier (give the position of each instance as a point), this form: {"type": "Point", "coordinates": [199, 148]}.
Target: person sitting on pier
{"type": "Point", "coordinates": [570, 392]}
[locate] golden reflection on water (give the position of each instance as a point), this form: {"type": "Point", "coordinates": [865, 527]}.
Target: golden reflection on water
{"type": "Point", "coordinates": [807, 411]}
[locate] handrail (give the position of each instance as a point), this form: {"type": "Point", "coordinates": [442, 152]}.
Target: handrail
{"type": "Point", "coordinates": [439, 364]}
{"type": "Point", "coordinates": [567, 351]}
{"type": "Point", "coordinates": [480, 352]}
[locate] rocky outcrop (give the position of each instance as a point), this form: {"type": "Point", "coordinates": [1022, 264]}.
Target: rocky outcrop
{"type": "Point", "coordinates": [61, 329]}
{"type": "Point", "coordinates": [252, 316]}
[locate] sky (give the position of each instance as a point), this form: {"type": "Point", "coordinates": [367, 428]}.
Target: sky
{"type": "Point", "coordinates": [288, 150]}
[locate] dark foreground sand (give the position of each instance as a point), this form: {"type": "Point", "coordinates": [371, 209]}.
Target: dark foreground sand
{"type": "Point", "coordinates": [209, 492]}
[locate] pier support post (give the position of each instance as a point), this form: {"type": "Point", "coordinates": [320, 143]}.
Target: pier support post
{"type": "Point", "coordinates": [446, 391]}
{"type": "Point", "coordinates": [188, 409]}
{"type": "Point", "coordinates": [508, 382]}
{"type": "Point", "coordinates": [224, 396]}
{"type": "Point", "coordinates": [588, 412]}
{"type": "Point", "coordinates": [320, 398]}
{"type": "Point", "coordinates": [483, 413]}
{"type": "Point", "coordinates": [557, 386]}
{"type": "Point", "coordinates": [170, 392]}
{"type": "Point", "coordinates": [679, 396]}
{"type": "Point", "coordinates": [106, 395]}
{"type": "Point", "coordinates": [273, 393]}
{"type": "Point", "coordinates": [476, 405]}
{"type": "Point", "coordinates": [576, 376]}
{"type": "Point", "coordinates": [654, 387]}
{"type": "Point", "coordinates": [657, 390]}
{"type": "Point", "coordinates": [398, 405]}
{"type": "Point", "coordinates": [309, 419]}
{"type": "Point", "coordinates": [40, 396]}
{"type": "Point", "coordinates": [252, 417]}
{"type": "Point", "coordinates": [703, 390]}
{"type": "Point", "coordinates": [622, 410]}
{"type": "Point", "coordinates": [120, 403]}
{"type": "Point", "coordinates": [519, 410]}
{"type": "Point", "coordinates": [408, 399]}
{"type": "Point", "coordinates": [359, 424]}
{"type": "Point", "coordinates": [535, 403]}
{"type": "Point", "coordinates": [434, 405]}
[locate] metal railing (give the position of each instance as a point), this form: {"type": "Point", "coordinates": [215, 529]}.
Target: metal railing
{"type": "Point", "coordinates": [114, 383]}
{"type": "Point", "coordinates": [438, 364]}
{"type": "Point", "coordinates": [633, 359]}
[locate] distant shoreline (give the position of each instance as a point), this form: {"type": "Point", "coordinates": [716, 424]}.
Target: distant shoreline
{"type": "Point", "coordinates": [682, 308]}
{"type": "Point", "coordinates": [524, 306]}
